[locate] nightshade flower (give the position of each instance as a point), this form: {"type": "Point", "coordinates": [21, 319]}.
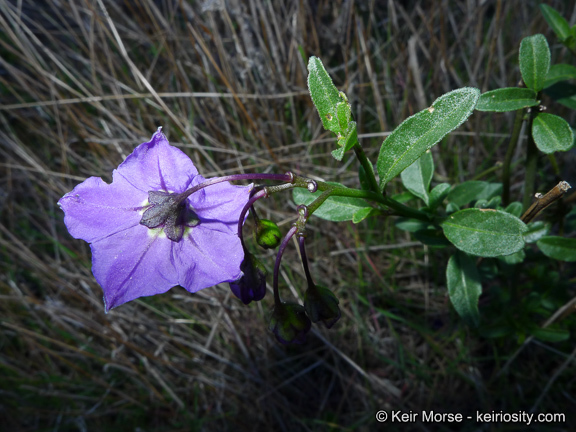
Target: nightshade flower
{"type": "Point", "coordinates": [191, 242]}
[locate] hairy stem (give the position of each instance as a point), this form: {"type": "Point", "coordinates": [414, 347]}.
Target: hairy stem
{"type": "Point", "coordinates": [509, 154]}
{"type": "Point", "coordinates": [531, 165]}
{"type": "Point", "coordinates": [367, 165]}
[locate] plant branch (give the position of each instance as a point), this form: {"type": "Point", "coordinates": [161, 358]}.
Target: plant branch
{"type": "Point", "coordinates": [543, 201]}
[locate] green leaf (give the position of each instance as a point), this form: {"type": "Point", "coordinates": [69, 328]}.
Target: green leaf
{"type": "Point", "coordinates": [564, 93]}
{"type": "Point", "coordinates": [410, 225]}
{"type": "Point", "coordinates": [363, 177]}
{"type": "Point", "coordinates": [431, 237]}
{"type": "Point", "coordinates": [549, 334]}
{"type": "Point", "coordinates": [559, 72]}
{"type": "Point", "coordinates": [473, 190]}
{"type": "Point", "coordinates": [421, 131]}
{"type": "Point", "coordinates": [534, 61]}
{"type": "Point", "coordinates": [514, 208]}
{"type": "Point", "coordinates": [536, 230]}
{"type": "Point", "coordinates": [335, 208]}
{"type": "Point", "coordinates": [464, 287]}
{"type": "Point", "coordinates": [515, 258]}
{"type": "Point", "coordinates": [556, 21]}
{"type": "Point", "coordinates": [552, 133]}
{"type": "Point", "coordinates": [363, 213]}
{"type": "Point", "coordinates": [346, 142]}
{"type": "Point", "coordinates": [438, 194]}
{"type": "Point", "coordinates": [560, 248]}
{"type": "Point", "coordinates": [324, 94]}
{"type": "Point", "coordinates": [417, 177]}
{"type": "Point", "coordinates": [343, 113]}
{"type": "Point", "coordinates": [487, 233]}
{"type": "Point", "coordinates": [488, 204]}
{"type": "Point", "coordinates": [507, 99]}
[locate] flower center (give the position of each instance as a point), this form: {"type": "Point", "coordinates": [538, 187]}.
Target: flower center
{"type": "Point", "coordinates": [169, 210]}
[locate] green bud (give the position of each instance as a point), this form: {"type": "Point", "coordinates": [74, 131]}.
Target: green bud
{"type": "Point", "coordinates": [289, 323]}
{"type": "Point", "coordinates": [267, 234]}
{"type": "Point", "coordinates": [321, 305]}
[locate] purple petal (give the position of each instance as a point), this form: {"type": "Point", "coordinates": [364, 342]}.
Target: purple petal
{"type": "Point", "coordinates": [96, 209]}
{"type": "Point", "coordinates": [221, 202]}
{"type": "Point", "coordinates": [133, 263]}
{"type": "Point", "coordinates": [206, 257]}
{"type": "Point", "coordinates": [156, 165]}
{"type": "Point", "coordinates": [129, 260]}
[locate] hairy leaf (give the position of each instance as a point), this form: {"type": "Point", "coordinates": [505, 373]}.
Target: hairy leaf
{"type": "Point", "coordinates": [534, 61]}
{"type": "Point", "coordinates": [423, 130]}
{"type": "Point", "coordinates": [486, 233]}
{"type": "Point", "coordinates": [507, 99]}
{"type": "Point", "coordinates": [464, 287]}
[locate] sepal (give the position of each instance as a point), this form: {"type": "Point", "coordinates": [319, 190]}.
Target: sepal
{"type": "Point", "coordinates": [321, 305]}
{"type": "Point", "coordinates": [289, 323]}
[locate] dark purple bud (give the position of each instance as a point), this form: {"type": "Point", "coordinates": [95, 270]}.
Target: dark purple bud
{"type": "Point", "coordinates": [252, 285]}
{"type": "Point", "coordinates": [289, 323]}
{"type": "Point", "coordinates": [321, 305]}
{"type": "Point", "coordinates": [267, 234]}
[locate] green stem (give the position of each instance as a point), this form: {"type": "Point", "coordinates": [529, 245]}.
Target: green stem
{"type": "Point", "coordinates": [509, 154]}
{"type": "Point", "coordinates": [331, 190]}
{"type": "Point", "coordinates": [554, 164]}
{"type": "Point", "coordinates": [367, 165]}
{"type": "Point", "coordinates": [531, 163]}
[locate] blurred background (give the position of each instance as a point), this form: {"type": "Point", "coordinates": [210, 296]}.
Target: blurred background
{"type": "Point", "coordinates": [83, 82]}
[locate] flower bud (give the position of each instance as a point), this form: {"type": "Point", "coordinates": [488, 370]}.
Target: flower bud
{"type": "Point", "coordinates": [252, 285]}
{"type": "Point", "coordinates": [321, 305]}
{"type": "Point", "coordinates": [289, 323]}
{"type": "Point", "coordinates": [267, 234]}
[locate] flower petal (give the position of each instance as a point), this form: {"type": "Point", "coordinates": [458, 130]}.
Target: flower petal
{"type": "Point", "coordinates": [96, 209]}
{"type": "Point", "coordinates": [206, 257]}
{"type": "Point", "coordinates": [156, 165]}
{"type": "Point", "coordinates": [221, 202]}
{"type": "Point", "coordinates": [134, 263]}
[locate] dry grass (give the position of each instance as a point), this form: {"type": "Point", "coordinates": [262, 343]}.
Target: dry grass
{"type": "Point", "coordinates": [83, 82]}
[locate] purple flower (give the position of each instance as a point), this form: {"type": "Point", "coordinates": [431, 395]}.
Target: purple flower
{"type": "Point", "coordinates": [189, 241]}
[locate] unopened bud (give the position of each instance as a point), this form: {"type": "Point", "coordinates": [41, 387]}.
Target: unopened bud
{"type": "Point", "coordinates": [289, 323]}
{"type": "Point", "coordinates": [321, 305]}
{"type": "Point", "coordinates": [267, 234]}
{"type": "Point", "coordinates": [252, 285]}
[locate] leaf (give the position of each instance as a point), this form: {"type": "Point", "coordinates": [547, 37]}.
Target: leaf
{"type": "Point", "coordinates": [464, 287]}
{"type": "Point", "coordinates": [473, 190]}
{"type": "Point", "coordinates": [534, 61]}
{"type": "Point", "coordinates": [346, 142]}
{"type": "Point", "coordinates": [324, 94]}
{"type": "Point", "coordinates": [515, 258]}
{"type": "Point", "coordinates": [536, 230]}
{"type": "Point", "coordinates": [411, 225]}
{"type": "Point", "coordinates": [363, 177]}
{"type": "Point", "coordinates": [335, 208]}
{"type": "Point", "coordinates": [563, 92]}
{"type": "Point", "coordinates": [438, 194]}
{"type": "Point", "coordinates": [421, 131]}
{"type": "Point", "coordinates": [363, 213]}
{"type": "Point", "coordinates": [549, 334]}
{"type": "Point", "coordinates": [507, 99]}
{"type": "Point", "coordinates": [431, 237]}
{"type": "Point", "coordinates": [417, 177]}
{"type": "Point", "coordinates": [559, 72]}
{"type": "Point", "coordinates": [552, 133]}
{"type": "Point", "coordinates": [486, 233]}
{"type": "Point", "coordinates": [514, 208]}
{"type": "Point", "coordinates": [559, 248]}
{"type": "Point", "coordinates": [556, 21]}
